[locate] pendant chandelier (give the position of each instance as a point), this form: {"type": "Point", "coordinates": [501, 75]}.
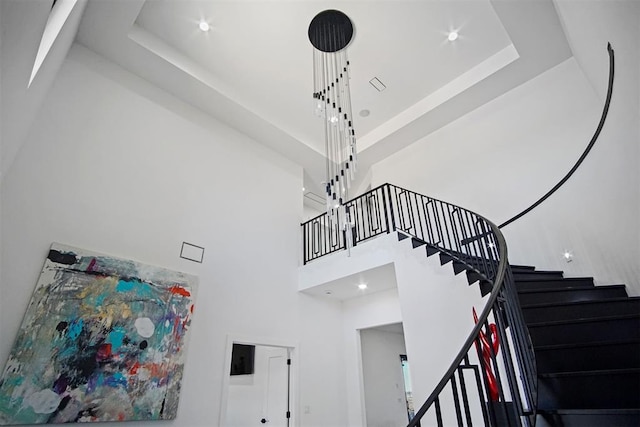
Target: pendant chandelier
{"type": "Point", "coordinates": [330, 32]}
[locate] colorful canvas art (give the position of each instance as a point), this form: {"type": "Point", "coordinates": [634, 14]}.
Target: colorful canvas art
{"type": "Point", "coordinates": [103, 339]}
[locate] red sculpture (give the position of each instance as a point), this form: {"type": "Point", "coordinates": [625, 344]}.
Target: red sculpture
{"type": "Point", "coordinates": [492, 383]}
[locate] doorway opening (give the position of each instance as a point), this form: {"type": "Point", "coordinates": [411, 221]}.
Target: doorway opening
{"type": "Point", "coordinates": [408, 389]}
{"type": "Point", "coordinates": [258, 385]}
{"type": "Point", "coordinates": [385, 397]}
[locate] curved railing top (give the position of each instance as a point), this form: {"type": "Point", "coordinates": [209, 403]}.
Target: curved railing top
{"type": "Point", "coordinates": [496, 289]}
{"type": "Point", "coordinates": [596, 134]}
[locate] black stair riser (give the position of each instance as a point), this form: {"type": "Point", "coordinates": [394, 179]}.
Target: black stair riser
{"type": "Point", "coordinates": [601, 418]}
{"type": "Point", "coordinates": [587, 358]}
{"type": "Point", "coordinates": [604, 330]}
{"type": "Point", "coordinates": [551, 284]}
{"type": "Point", "coordinates": [581, 310]}
{"type": "Point", "coordinates": [590, 391]}
{"type": "Point", "coordinates": [572, 295]}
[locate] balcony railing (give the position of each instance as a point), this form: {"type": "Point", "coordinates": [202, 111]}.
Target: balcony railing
{"type": "Point", "coordinates": [492, 381]}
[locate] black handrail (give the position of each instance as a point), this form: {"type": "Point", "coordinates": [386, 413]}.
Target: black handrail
{"type": "Point", "coordinates": [501, 374]}
{"type": "Point", "coordinates": [603, 117]}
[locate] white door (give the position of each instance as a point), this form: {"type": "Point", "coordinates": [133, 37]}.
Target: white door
{"type": "Point", "coordinates": [277, 389]}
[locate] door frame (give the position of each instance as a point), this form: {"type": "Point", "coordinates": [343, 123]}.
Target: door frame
{"type": "Point", "coordinates": [268, 342]}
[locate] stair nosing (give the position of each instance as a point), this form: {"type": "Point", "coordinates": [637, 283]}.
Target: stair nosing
{"type": "Point", "coordinates": [543, 273]}
{"type": "Point", "coordinates": [547, 347]}
{"type": "Point", "coordinates": [590, 372]}
{"type": "Point", "coordinates": [561, 289]}
{"type": "Point", "coordinates": [523, 267]}
{"type": "Point", "coordinates": [553, 279]}
{"type": "Point", "coordinates": [593, 411]}
{"type": "Point", "coordinates": [582, 320]}
{"type": "Point", "coordinates": [572, 303]}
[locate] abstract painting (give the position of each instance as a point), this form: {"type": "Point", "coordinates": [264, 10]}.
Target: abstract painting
{"type": "Point", "coordinates": [103, 339]}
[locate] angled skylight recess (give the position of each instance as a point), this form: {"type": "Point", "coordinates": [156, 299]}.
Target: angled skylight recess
{"type": "Point", "coordinates": [60, 11]}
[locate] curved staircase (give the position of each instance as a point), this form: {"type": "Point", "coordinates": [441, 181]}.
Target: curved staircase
{"type": "Point", "coordinates": [587, 346]}
{"type": "Point", "coordinates": [568, 353]}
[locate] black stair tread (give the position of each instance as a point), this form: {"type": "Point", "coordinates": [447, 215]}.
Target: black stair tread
{"type": "Point", "coordinates": [592, 417]}
{"type": "Point", "coordinates": [523, 275]}
{"type": "Point", "coordinates": [591, 411]}
{"type": "Point", "coordinates": [540, 311]}
{"type": "Point", "coordinates": [557, 283]}
{"type": "Point", "coordinates": [588, 356]}
{"type": "Point", "coordinates": [586, 330]}
{"type": "Point", "coordinates": [540, 296]}
{"type": "Point", "coordinates": [555, 279]}
{"type": "Point", "coordinates": [546, 347]}
{"type": "Point", "coordinates": [569, 288]}
{"type": "Point", "coordinates": [540, 272]}
{"type": "Point", "coordinates": [577, 303]}
{"type": "Point", "coordinates": [528, 268]}
{"type": "Point", "coordinates": [605, 389]}
{"type": "Point", "coordinates": [582, 320]}
{"type": "Point", "coordinates": [590, 373]}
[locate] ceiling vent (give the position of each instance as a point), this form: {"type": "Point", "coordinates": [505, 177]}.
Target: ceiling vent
{"type": "Point", "coordinates": [375, 82]}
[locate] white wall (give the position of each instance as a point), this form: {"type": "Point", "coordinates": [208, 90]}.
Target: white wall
{"type": "Point", "coordinates": [589, 25]}
{"type": "Point", "coordinates": [429, 293]}
{"type": "Point", "coordinates": [246, 393]}
{"type": "Point", "coordinates": [424, 294]}
{"type": "Point", "coordinates": [503, 156]}
{"type": "Point", "coordinates": [115, 165]}
{"type": "Point", "coordinates": [377, 309]}
{"type": "Point", "coordinates": [385, 400]}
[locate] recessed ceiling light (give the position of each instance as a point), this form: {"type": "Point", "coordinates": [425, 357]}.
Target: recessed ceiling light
{"type": "Point", "coordinates": [452, 36]}
{"type": "Point", "coordinates": [204, 26]}
{"type": "Point", "coordinates": [365, 113]}
{"type": "Point", "coordinates": [362, 286]}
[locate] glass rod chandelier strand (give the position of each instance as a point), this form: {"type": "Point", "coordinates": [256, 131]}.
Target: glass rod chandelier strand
{"type": "Point", "coordinates": [330, 32]}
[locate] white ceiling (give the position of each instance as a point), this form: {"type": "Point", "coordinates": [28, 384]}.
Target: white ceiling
{"type": "Point", "coordinates": [253, 70]}
{"type": "Point", "coordinates": [377, 279]}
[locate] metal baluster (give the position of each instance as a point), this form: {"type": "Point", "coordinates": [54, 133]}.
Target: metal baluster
{"type": "Point", "coordinates": [438, 412]}
{"type": "Point", "coordinates": [411, 198]}
{"type": "Point", "coordinates": [434, 208]}
{"type": "Point", "coordinates": [358, 228]}
{"type": "Point", "coordinates": [447, 234]}
{"type": "Point", "coordinates": [385, 210]}
{"type": "Point", "coordinates": [424, 219]}
{"type": "Point", "coordinates": [391, 211]}
{"type": "Point", "coordinates": [456, 400]}
{"type": "Point", "coordinates": [463, 390]}
{"type": "Point", "coordinates": [508, 363]}
{"type": "Point", "coordinates": [494, 360]}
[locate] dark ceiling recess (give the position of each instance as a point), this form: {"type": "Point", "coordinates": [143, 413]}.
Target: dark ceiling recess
{"type": "Point", "coordinates": [330, 31]}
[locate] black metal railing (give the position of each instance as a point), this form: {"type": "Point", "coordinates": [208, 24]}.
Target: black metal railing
{"type": "Point", "coordinates": [325, 234]}
{"type": "Point", "coordinates": [492, 381]}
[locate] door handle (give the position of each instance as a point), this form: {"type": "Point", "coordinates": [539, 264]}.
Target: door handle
{"type": "Point", "coordinates": [264, 421]}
